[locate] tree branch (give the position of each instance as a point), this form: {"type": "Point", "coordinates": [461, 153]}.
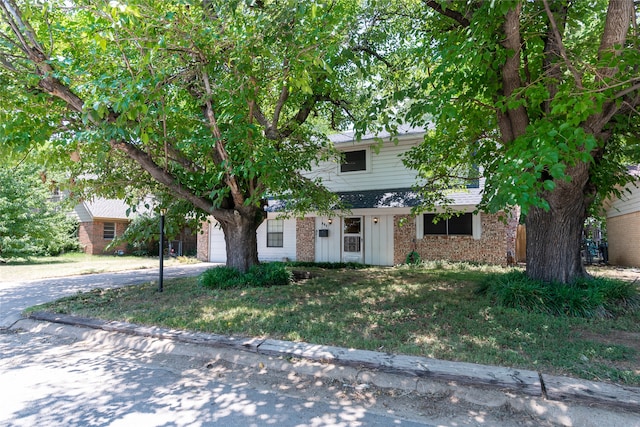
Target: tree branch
{"type": "Point", "coordinates": [560, 45]}
{"type": "Point", "coordinates": [160, 175]}
{"type": "Point", "coordinates": [370, 51]}
{"type": "Point", "coordinates": [513, 122]}
{"type": "Point", "coordinates": [230, 179]}
{"type": "Point", "coordinates": [455, 15]}
{"type": "Point", "coordinates": [284, 95]}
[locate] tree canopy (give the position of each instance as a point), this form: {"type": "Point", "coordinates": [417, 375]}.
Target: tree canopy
{"type": "Point", "coordinates": [542, 96]}
{"type": "Point", "coordinates": [223, 103]}
{"type": "Point", "coordinates": [31, 221]}
{"type": "Point", "coordinates": [213, 100]}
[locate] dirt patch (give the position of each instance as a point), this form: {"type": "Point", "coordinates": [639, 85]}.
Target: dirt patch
{"type": "Point", "coordinates": [613, 272]}
{"type": "Point", "coordinates": [627, 339]}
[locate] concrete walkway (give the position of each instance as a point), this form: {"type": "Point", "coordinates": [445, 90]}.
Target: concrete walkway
{"type": "Point", "coordinates": [559, 400]}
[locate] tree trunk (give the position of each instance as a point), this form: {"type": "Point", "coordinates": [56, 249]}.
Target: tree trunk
{"type": "Point", "coordinates": [240, 235]}
{"type": "Point", "coordinates": [554, 237]}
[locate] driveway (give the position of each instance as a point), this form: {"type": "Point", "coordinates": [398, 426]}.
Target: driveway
{"type": "Point", "coordinates": [17, 296]}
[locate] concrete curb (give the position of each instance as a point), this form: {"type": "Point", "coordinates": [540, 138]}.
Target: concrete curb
{"type": "Point", "coordinates": [538, 394]}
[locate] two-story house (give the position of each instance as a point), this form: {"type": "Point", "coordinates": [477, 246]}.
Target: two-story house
{"type": "Point", "coordinates": [379, 228]}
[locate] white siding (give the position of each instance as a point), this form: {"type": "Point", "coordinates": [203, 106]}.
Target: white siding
{"type": "Point", "coordinates": [378, 240]}
{"type": "Point", "coordinates": [386, 171]}
{"type": "Point", "coordinates": [217, 248]}
{"type": "Point", "coordinates": [288, 250]}
{"type": "Point", "coordinates": [377, 245]}
{"type": "Point", "coordinates": [628, 203]}
{"type": "Point", "coordinates": [328, 248]}
{"type": "Point", "coordinates": [218, 251]}
{"type": "Point", "coordinates": [82, 213]}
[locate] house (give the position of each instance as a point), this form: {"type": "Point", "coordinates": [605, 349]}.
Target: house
{"type": "Point", "coordinates": [100, 221]}
{"type": "Point", "coordinates": [623, 224]}
{"type": "Point", "coordinates": [379, 228]}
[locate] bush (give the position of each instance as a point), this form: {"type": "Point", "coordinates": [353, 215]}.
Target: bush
{"type": "Point", "coordinates": [596, 297]}
{"type": "Point", "coordinates": [258, 276]}
{"type": "Point", "coordinates": [221, 278]}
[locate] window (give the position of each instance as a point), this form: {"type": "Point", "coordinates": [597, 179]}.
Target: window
{"type": "Point", "coordinates": [354, 161]}
{"type": "Point", "coordinates": [455, 226]}
{"type": "Point", "coordinates": [275, 233]}
{"type": "Point", "coordinates": [109, 230]}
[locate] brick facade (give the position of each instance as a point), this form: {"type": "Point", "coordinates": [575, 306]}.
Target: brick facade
{"type": "Point", "coordinates": [90, 235]}
{"type": "Point", "coordinates": [623, 234]}
{"type": "Point", "coordinates": [203, 242]}
{"type": "Point", "coordinates": [492, 248]}
{"type": "Point", "coordinates": [306, 239]}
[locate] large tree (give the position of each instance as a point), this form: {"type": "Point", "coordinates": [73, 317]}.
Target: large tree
{"type": "Point", "coordinates": [210, 99]}
{"type": "Point", "coordinates": [32, 222]}
{"type": "Point", "coordinates": [541, 95]}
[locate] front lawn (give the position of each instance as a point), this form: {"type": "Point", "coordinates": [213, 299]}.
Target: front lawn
{"type": "Point", "coordinates": [427, 311]}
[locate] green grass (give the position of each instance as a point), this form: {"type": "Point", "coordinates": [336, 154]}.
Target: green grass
{"type": "Point", "coordinates": [428, 310]}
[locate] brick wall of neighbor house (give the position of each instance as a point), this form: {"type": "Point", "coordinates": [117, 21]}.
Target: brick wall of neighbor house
{"type": "Point", "coordinates": [623, 235]}
{"type": "Point", "coordinates": [491, 248]}
{"type": "Point", "coordinates": [85, 232]}
{"type": "Point", "coordinates": [203, 242]}
{"type": "Point", "coordinates": [90, 236]}
{"type": "Point", "coordinates": [305, 239]}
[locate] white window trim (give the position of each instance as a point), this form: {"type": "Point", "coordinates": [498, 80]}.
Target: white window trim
{"type": "Point", "coordinates": [367, 155]}
{"type": "Point", "coordinates": [282, 223]}
{"type": "Point", "coordinates": [476, 226]}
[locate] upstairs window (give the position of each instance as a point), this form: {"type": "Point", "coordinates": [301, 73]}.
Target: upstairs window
{"type": "Point", "coordinates": [354, 161]}
{"type": "Point", "coordinates": [455, 226]}
{"type": "Point", "coordinates": [109, 231]}
{"type": "Point", "coordinates": [275, 233]}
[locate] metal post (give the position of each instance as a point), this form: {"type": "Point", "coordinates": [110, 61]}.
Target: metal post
{"type": "Point", "coordinates": [162, 212]}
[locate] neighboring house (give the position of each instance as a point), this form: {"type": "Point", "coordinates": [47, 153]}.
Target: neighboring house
{"type": "Point", "coordinates": [379, 229]}
{"type": "Point", "coordinates": [100, 221]}
{"type": "Point", "coordinates": [623, 224]}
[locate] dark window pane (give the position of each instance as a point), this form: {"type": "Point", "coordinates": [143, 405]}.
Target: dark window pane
{"type": "Point", "coordinates": [352, 243]}
{"type": "Point", "coordinates": [352, 225]}
{"type": "Point", "coordinates": [275, 240]}
{"type": "Point", "coordinates": [354, 161]}
{"type": "Point", "coordinates": [275, 233]}
{"type": "Point", "coordinates": [109, 230]}
{"type": "Point", "coordinates": [431, 228]}
{"type": "Point", "coordinates": [461, 225]}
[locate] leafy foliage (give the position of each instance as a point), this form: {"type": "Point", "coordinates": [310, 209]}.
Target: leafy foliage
{"type": "Point", "coordinates": [30, 223]}
{"type": "Point", "coordinates": [212, 102]}
{"type": "Point", "coordinates": [540, 96]}
{"type": "Point", "coordinates": [597, 297]}
{"type": "Point", "coordinates": [258, 276]}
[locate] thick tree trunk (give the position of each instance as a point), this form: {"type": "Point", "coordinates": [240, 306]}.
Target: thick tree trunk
{"type": "Point", "coordinates": [554, 237]}
{"type": "Point", "coordinates": [240, 227]}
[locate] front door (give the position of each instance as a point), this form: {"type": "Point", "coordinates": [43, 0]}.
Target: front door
{"type": "Point", "coordinates": [352, 239]}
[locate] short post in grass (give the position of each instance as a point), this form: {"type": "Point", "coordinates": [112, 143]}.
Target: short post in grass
{"type": "Point", "coordinates": [160, 280]}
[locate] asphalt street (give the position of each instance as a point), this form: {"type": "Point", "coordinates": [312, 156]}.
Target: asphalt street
{"type": "Point", "coordinates": [54, 381]}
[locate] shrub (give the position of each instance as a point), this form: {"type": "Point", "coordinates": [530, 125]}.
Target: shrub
{"type": "Point", "coordinates": [413, 258]}
{"type": "Point", "coordinates": [594, 297]}
{"type": "Point", "coordinates": [271, 274]}
{"type": "Point", "coordinates": [261, 275]}
{"type": "Point", "coordinates": [221, 278]}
